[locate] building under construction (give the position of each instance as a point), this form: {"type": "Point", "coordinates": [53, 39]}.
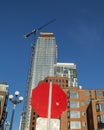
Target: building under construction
{"type": "Point", "coordinates": [85, 108]}
{"type": "Point", "coordinates": [43, 58]}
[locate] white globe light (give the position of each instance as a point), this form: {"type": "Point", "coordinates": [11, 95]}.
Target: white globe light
{"type": "Point", "coordinates": [20, 98]}
{"type": "Point", "coordinates": [16, 93]}
{"type": "Point", "coordinates": [10, 96]}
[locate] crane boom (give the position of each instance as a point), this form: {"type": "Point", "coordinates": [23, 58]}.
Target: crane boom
{"type": "Point", "coordinates": [37, 29]}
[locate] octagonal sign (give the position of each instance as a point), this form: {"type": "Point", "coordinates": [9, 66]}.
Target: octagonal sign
{"type": "Point", "coordinates": [40, 100]}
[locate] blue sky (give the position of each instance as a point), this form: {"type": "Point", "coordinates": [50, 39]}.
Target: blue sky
{"type": "Point", "coordinates": [79, 32]}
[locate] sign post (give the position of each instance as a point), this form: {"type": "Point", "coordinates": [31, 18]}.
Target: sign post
{"type": "Point", "coordinates": [41, 124]}
{"type": "Point", "coordinates": [49, 105]}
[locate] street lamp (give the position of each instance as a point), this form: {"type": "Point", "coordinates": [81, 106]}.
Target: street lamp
{"type": "Point", "coordinates": [15, 101]}
{"type": "Point", "coordinates": [7, 124]}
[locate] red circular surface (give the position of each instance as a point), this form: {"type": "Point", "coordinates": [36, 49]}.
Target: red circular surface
{"type": "Point", "coordinates": [40, 96]}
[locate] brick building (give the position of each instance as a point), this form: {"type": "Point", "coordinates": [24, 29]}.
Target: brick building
{"type": "Point", "coordinates": [85, 108]}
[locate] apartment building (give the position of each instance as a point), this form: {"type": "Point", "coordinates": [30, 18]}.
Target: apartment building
{"type": "Point", "coordinates": [85, 108]}
{"type": "Point", "coordinates": [95, 110]}
{"type": "Point", "coordinates": [68, 70]}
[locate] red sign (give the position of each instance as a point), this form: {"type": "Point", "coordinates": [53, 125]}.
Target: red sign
{"type": "Point", "coordinates": [40, 100]}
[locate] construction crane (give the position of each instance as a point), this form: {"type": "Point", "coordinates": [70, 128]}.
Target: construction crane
{"type": "Point", "coordinates": [37, 29]}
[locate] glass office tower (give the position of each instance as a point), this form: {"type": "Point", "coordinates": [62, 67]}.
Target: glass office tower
{"type": "Point", "coordinates": [44, 56]}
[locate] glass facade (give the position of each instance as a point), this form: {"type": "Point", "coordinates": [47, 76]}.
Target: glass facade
{"type": "Point", "coordinates": [44, 56]}
{"type": "Point", "coordinates": [44, 59]}
{"type": "Point", "coordinates": [67, 70]}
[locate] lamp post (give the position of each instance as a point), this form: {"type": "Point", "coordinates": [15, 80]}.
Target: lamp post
{"type": "Point", "coordinates": [6, 125]}
{"type": "Point", "coordinates": [15, 101]}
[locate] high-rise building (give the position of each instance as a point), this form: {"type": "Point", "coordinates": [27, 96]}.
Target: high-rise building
{"type": "Point", "coordinates": [44, 56]}
{"type": "Point", "coordinates": [67, 70]}
{"type": "Point", "coordinates": [85, 108]}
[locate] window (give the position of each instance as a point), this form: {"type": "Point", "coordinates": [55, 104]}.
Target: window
{"type": "Point", "coordinates": [68, 125]}
{"type": "Point", "coordinates": [82, 103]}
{"type": "Point", "coordinates": [73, 114]}
{"type": "Point", "coordinates": [56, 80]}
{"type": "Point", "coordinates": [97, 107]}
{"type": "Point", "coordinates": [73, 104]}
{"type": "Point", "coordinates": [100, 118]}
{"type": "Point", "coordinates": [33, 123]}
{"type": "Point", "coordinates": [33, 128]}
{"type": "Point", "coordinates": [1, 98]}
{"type": "Point", "coordinates": [83, 123]}
{"type": "Point", "coordinates": [75, 125]}
{"type": "Point", "coordinates": [87, 93]}
{"type": "Point", "coordinates": [66, 81]}
{"type": "Point", "coordinates": [68, 114]}
{"type": "Point", "coordinates": [34, 113]}
{"type": "Point", "coordinates": [100, 107]}
{"type": "Point", "coordinates": [98, 93]}
{"type": "Point", "coordinates": [68, 104]}
{"type": "Point", "coordinates": [88, 100]}
{"type": "Point", "coordinates": [73, 94]}
{"type": "Point", "coordinates": [33, 118]}
{"type": "Point", "coordinates": [83, 113]}
{"type": "Point", "coordinates": [66, 85]}
{"type": "Point", "coordinates": [0, 107]}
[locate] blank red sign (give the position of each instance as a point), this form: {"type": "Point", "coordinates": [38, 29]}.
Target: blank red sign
{"type": "Point", "coordinates": [40, 97]}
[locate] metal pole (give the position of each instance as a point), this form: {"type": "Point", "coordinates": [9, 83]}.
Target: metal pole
{"type": "Point", "coordinates": [6, 125]}
{"type": "Point", "coordinates": [11, 123]}
{"type": "Point", "coordinates": [49, 106]}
